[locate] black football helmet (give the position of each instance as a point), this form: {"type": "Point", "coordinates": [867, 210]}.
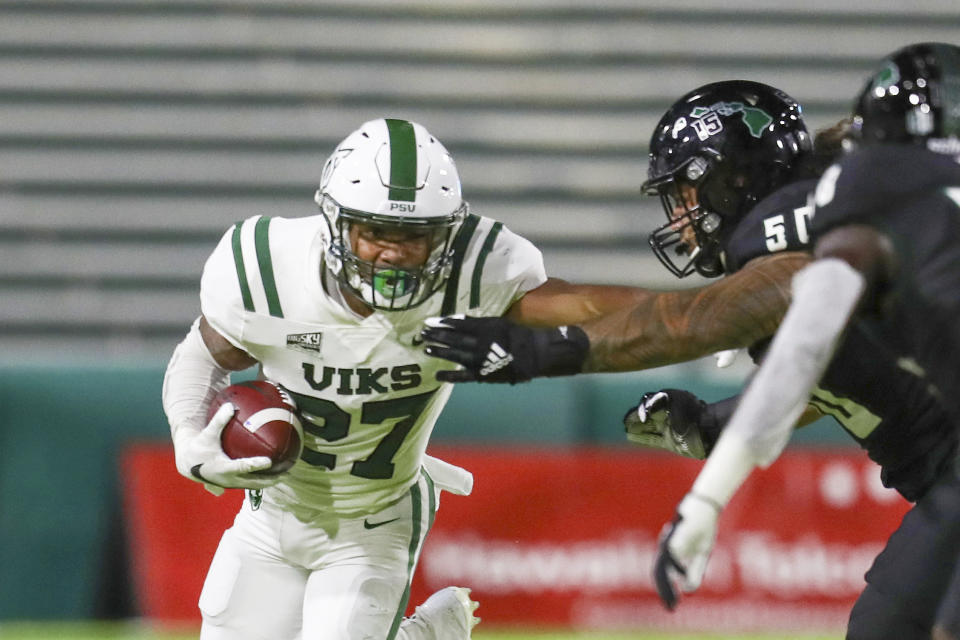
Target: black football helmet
{"type": "Point", "coordinates": [733, 143]}
{"type": "Point", "coordinates": [913, 99]}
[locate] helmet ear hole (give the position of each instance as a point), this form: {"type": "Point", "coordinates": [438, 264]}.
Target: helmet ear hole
{"type": "Point", "coordinates": [710, 223]}
{"type": "Point", "coordinates": [722, 192]}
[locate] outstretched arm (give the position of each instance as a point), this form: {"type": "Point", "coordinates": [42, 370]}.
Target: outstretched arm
{"type": "Point", "coordinates": [678, 326]}
{"type": "Point", "coordinates": [615, 328]}
{"type": "Point", "coordinates": [557, 302]}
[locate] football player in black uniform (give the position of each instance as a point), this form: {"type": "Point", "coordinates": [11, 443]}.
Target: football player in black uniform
{"type": "Point", "coordinates": [746, 126]}
{"type": "Point", "coordinates": [887, 246]}
{"type": "Point", "coordinates": [716, 156]}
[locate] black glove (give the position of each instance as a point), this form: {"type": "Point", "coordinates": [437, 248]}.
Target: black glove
{"type": "Point", "coordinates": [498, 350]}
{"type": "Point", "coordinates": [674, 420]}
{"type": "Point", "coordinates": [666, 570]}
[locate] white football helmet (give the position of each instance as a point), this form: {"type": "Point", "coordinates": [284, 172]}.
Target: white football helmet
{"type": "Point", "coordinates": [394, 174]}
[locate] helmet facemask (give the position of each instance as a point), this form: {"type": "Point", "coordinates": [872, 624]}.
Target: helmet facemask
{"type": "Point", "coordinates": [383, 286]}
{"type": "Point", "coordinates": [688, 241]}
{"type": "Point", "coordinates": [732, 143]}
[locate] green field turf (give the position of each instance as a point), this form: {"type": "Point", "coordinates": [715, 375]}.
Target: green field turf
{"type": "Point", "coordinates": [101, 631]}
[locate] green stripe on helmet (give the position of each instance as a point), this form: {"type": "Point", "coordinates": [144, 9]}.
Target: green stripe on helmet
{"type": "Point", "coordinates": [403, 160]}
{"type": "Point", "coordinates": [261, 240]}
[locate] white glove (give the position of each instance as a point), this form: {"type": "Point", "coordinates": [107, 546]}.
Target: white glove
{"type": "Point", "coordinates": [685, 547]}
{"type": "Point", "coordinates": [726, 358]}
{"type": "Point", "coordinates": [200, 457]}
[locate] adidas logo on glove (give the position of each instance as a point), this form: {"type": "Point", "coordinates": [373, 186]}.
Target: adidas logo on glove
{"type": "Point", "coordinates": [497, 358]}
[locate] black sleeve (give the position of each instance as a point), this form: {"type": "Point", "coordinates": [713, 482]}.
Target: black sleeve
{"type": "Point", "coordinates": [715, 417]}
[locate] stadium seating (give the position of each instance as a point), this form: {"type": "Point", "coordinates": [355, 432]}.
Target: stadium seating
{"type": "Point", "coordinates": [132, 134]}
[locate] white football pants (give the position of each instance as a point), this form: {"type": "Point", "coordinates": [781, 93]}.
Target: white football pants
{"type": "Point", "coordinates": [274, 577]}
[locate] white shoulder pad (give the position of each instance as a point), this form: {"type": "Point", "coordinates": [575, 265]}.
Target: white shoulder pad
{"type": "Point", "coordinates": [523, 261]}
{"type": "Point", "coordinates": [499, 267]}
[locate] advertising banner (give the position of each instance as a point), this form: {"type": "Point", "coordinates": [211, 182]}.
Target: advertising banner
{"type": "Point", "coordinates": [567, 538]}
{"type": "Point", "coordinates": [173, 526]}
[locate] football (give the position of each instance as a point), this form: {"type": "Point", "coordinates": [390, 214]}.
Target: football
{"type": "Point", "coordinates": [265, 424]}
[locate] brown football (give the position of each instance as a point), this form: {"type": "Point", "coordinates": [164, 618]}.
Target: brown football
{"type": "Point", "coordinates": [265, 424]}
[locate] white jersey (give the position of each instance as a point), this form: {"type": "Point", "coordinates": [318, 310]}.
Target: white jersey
{"type": "Point", "coordinates": [366, 390]}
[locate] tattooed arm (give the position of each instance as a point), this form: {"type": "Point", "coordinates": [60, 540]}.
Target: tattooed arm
{"type": "Point", "coordinates": [563, 329]}
{"type": "Point", "coordinates": [677, 326]}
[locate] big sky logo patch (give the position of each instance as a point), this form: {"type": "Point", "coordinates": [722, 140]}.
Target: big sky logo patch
{"type": "Point", "coordinates": [305, 341]}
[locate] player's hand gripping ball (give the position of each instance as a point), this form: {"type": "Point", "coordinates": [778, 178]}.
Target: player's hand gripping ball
{"type": "Point", "coordinates": [265, 424]}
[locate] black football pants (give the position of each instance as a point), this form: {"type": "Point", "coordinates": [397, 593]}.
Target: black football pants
{"type": "Point", "coordinates": [909, 578]}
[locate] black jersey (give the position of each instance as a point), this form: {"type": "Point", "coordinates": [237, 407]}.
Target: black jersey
{"type": "Point", "coordinates": [778, 223]}
{"type": "Point", "coordinates": [913, 196]}
{"type": "Point", "coordinates": [887, 408]}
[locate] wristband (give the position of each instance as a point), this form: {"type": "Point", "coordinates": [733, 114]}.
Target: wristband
{"type": "Point", "coordinates": [561, 351]}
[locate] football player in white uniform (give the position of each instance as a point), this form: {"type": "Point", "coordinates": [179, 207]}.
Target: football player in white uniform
{"type": "Point", "coordinates": [331, 307]}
